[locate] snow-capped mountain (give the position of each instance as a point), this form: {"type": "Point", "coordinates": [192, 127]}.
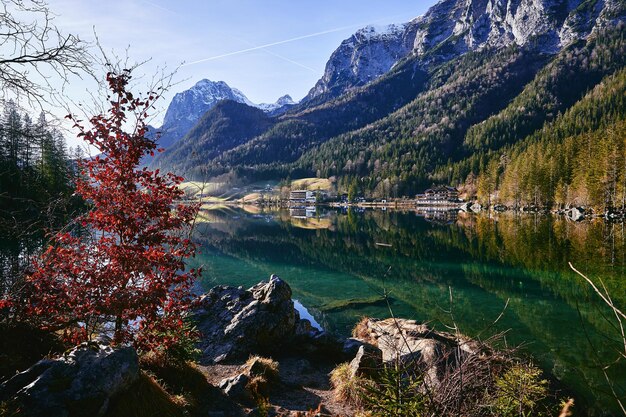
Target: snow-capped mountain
{"type": "Point", "coordinates": [187, 107]}
{"type": "Point", "coordinates": [190, 104]}
{"type": "Point", "coordinates": [362, 58]}
{"type": "Point", "coordinates": [453, 27]}
{"type": "Point", "coordinates": [282, 102]}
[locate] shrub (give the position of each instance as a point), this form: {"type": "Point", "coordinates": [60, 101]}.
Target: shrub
{"type": "Point", "coordinates": [519, 391]}
{"type": "Point", "coordinates": [394, 393]}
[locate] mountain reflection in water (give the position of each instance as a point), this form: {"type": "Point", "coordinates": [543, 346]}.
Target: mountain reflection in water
{"type": "Point", "coordinates": [331, 258]}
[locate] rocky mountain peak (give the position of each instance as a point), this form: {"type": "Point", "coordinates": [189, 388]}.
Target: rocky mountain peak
{"type": "Point", "coordinates": [189, 105]}
{"type": "Point", "coordinates": [280, 105]}
{"type": "Point", "coordinates": [286, 99]}
{"type": "Point", "coordinates": [453, 27]}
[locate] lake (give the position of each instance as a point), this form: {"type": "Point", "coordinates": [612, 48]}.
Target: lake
{"type": "Point", "coordinates": [443, 268]}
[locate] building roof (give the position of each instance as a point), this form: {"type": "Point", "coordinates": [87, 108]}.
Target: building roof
{"type": "Point", "coordinates": [442, 189]}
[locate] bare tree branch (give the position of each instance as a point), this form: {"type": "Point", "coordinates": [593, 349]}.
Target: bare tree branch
{"type": "Point", "coordinates": [36, 58]}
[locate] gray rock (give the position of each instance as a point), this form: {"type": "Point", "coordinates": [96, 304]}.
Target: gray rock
{"type": "Point", "coordinates": [236, 322]}
{"type": "Point", "coordinates": [414, 344]}
{"type": "Point", "coordinates": [237, 387]}
{"type": "Point", "coordinates": [80, 383]}
{"type": "Point", "coordinates": [367, 362]}
{"type": "Point", "coordinates": [351, 346]}
{"type": "Point", "coordinates": [304, 328]}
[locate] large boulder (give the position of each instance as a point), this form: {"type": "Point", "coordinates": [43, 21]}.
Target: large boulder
{"type": "Point", "coordinates": [414, 344]}
{"type": "Point", "coordinates": [367, 361]}
{"type": "Point", "coordinates": [236, 388]}
{"type": "Point", "coordinates": [80, 383]}
{"type": "Point", "coordinates": [235, 322]}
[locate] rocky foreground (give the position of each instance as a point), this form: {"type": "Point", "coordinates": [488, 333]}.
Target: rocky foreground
{"type": "Point", "coordinates": [92, 379]}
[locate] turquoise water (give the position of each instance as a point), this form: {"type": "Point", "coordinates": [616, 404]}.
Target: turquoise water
{"type": "Point", "coordinates": [444, 269]}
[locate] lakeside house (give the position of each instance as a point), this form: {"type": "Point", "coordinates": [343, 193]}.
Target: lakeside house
{"type": "Point", "coordinates": [440, 195]}
{"type": "Point", "coordinates": [302, 196]}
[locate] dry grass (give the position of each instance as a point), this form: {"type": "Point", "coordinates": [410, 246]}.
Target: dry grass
{"type": "Point", "coordinates": [347, 387]}
{"type": "Point", "coordinates": [187, 386]}
{"type": "Point", "coordinates": [257, 366]}
{"type": "Point", "coordinates": [312, 184]}
{"type": "Point", "coordinates": [360, 331]}
{"type": "Point", "coordinates": [262, 372]}
{"type": "Point", "coordinates": [565, 411]}
{"type": "Point", "coordinates": [146, 398]}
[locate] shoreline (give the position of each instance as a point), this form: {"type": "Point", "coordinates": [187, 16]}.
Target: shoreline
{"type": "Point", "coordinates": [573, 213]}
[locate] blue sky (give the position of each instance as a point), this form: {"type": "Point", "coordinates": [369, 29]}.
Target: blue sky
{"type": "Point", "coordinates": [173, 32]}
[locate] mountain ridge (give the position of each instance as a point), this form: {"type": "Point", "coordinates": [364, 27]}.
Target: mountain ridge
{"type": "Point", "coordinates": [425, 112]}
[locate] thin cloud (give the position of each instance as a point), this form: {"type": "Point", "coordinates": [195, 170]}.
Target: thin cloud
{"type": "Point", "coordinates": [158, 6]}
{"type": "Point", "coordinates": [267, 45]}
{"type": "Point", "coordinates": [297, 38]}
{"type": "Point", "coordinates": [284, 58]}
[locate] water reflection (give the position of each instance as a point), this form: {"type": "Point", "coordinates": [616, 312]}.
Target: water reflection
{"type": "Point", "coordinates": [338, 269]}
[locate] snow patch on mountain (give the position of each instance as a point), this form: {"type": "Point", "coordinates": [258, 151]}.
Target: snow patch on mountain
{"type": "Point", "coordinates": [283, 101]}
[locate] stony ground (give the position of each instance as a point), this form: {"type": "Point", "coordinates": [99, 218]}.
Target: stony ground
{"type": "Point", "coordinates": [304, 386]}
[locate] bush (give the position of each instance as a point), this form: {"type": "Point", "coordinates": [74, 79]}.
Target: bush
{"type": "Point", "coordinates": [181, 346]}
{"type": "Point", "coordinates": [395, 393]}
{"type": "Point", "coordinates": [519, 391]}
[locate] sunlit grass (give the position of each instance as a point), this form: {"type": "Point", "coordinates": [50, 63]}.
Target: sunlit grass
{"type": "Point", "coordinates": [311, 184]}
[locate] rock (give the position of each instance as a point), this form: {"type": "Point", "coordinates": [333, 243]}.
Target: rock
{"type": "Point", "coordinates": [80, 383]}
{"type": "Point", "coordinates": [322, 345]}
{"type": "Point", "coordinates": [237, 388]}
{"type": "Point", "coordinates": [236, 322]}
{"type": "Point", "coordinates": [416, 344]}
{"type": "Point", "coordinates": [351, 346]}
{"type": "Point", "coordinates": [304, 328]}
{"type": "Point", "coordinates": [500, 208]}
{"type": "Point", "coordinates": [367, 362]}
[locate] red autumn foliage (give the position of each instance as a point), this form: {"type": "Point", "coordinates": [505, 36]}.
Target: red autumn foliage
{"type": "Point", "coordinates": [124, 271]}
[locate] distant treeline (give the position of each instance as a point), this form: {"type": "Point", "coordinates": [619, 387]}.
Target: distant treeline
{"type": "Point", "coordinates": [36, 171]}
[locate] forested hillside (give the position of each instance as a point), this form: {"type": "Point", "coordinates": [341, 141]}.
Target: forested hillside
{"type": "Point", "coordinates": [578, 159]}
{"type": "Point", "coordinates": [36, 179]}
{"type": "Point", "coordinates": [471, 120]}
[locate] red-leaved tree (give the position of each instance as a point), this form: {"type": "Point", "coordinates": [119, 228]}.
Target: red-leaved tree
{"type": "Point", "coordinates": [126, 271]}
